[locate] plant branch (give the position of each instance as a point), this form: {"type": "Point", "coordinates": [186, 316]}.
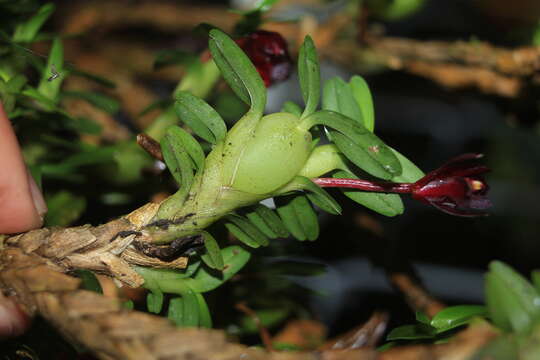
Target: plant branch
{"type": "Point", "coordinates": [415, 295]}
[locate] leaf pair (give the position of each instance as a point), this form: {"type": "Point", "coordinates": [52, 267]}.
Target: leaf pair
{"type": "Point", "coordinates": [447, 319]}
{"type": "Point", "coordinates": [200, 117]}
{"type": "Point", "coordinates": [351, 99]}
{"type": "Point", "coordinates": [189, 310]}
{"type": "Point", "coordinates": [267, 221]}
{"type": "Point", "coordinates": [298, 216]}
{"type": "Point", "coordinates": [183, 155]}
{"type": "Point", "coordinates": [238, 71]}
{"type": "Point", "coordinates": [245, 231]}
{"type": "Point", "coordinates": [213, 257]}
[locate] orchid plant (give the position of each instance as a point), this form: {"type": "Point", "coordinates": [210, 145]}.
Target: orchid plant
{"type": "Point", "coordinates": [282, 156]}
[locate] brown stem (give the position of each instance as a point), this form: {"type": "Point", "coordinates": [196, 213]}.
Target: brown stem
{"type": "Point", "coordinates": [150, 145]}
{"type": "Point", "coordinates": [263, 331]}
{"type": "Point", "coordinates": [415, 295]}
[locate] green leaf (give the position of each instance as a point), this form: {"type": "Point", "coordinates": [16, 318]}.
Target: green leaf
{"type": "Point", "coordinates": [409, 171]}
{"type": "Point", "coordinates": [411, 332]}
{"type": "Point", "coordinates": [153, 276]}
{"type": "Point", "coordinates": [173, 57]}
{"type": "Point", "coordinates": [205, 319]}
{"type": "Point", "coordinates": [318, 196]}
{"type": "Point", "coordinates": [299, 217]}
{"type": "Point", "coordinates": [242, 236]}
{"type": "Point", "coordinates": [175, 313]}
{"type": "Point", "coordinates": [513, 303]}
{"type": "Point", "coordinates": [360, 146]}
{"type": "Point", "coordinates": [189, 145]}
{"type": "Point", "coordinates": [310, 77]}
{"type": "Point", "coordinates": [182, 154]}
{"type": "Point", "coordinates": [89, 281]}
{"type": "Point", "coordinates": [54, 73]}
{"type": "Point", "coordinates": [272, 220]}
{"type": "Point", "coordinates": [454, 316]}
{"type": "Point", "coordinates": [179, 165]}
{"type": "Point", "coordinates": [288, 216]}
{"type": "Point", "coordinates": [362, 95]}
{"type": "Point", "coordinates": [191, 309]}
{"type": "Point", "coordinates": [16, 83]}
{"type": "Point", "coordinates": [267, 318]}
{"type": "Point", "coordinates": [46, 103]}
{"type": "Point", "coordinates": [259, 222]}
{"type": "Point", "coordinates": [238, 70]}
{"type": "Point", "coordinates": [200, 117]}
{"type": "Point", "coordinates": [501, 348]}
{"type": "Point", "coordinates": [292, 108]}
{"type": "Point", "coordinates": [422, 317]}
{"type": "Point", "coordinates": [64, 208]}
{"type": "Point", "coordinates": [27, 31]}
{"type": "Point", "coordinates": [154, 301]}
{"type": "Point", "coordinates": [338, 97]}
{"type": "Point", "coordinates": [385, 204]}
{"type": "Point", "coordinates": [234, 257]}
{"type": "Point", "coordinates": [246, 231]}
{"type": "Point", "coordinates": [213, 251]}
{"type": "Point", "coordinates": [128, 305]}
{"type": "Point", "coordinates": [100, 101]}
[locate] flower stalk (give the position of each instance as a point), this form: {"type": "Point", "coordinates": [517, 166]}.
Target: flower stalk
{"type": "Point", "coordinates": [456, 187]}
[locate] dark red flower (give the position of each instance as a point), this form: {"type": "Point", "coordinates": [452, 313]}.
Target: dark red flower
{"type": "Point", "coordinates": [456, 188]}
{"type": "Point", "coordinates": [267, 50]}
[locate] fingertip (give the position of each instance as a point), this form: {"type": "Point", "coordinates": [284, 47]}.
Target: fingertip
{"type": "Point", "coordinates": [13, 321]}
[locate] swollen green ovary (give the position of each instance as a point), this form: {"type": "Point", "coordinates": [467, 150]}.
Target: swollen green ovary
{"type": "Point", "coordinates": [274, 156]}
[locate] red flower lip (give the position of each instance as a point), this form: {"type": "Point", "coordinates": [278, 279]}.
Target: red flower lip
{"type": "Point", "coordinates": [456, 188]}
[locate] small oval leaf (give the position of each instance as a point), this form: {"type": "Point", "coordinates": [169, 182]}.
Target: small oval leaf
{"type": "Point", "coordinates": [213, 251]}
{"type": "Point", "coordinates": [362, 95]}
{"type": "Point", "coordinates": [234, 258]}
{"type": "Point", "coordinates": [200, 117]}
{"type": "Point", "coordinates": [238, 70]}
{"type": "Point", "coordinates": [454, 316]}
{"type": "Point", "coordinates": [309, 75]}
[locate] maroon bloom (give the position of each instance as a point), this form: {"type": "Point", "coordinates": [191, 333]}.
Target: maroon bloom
{"type": "Point", "coordinates": [457, 187]}
{"type": "Point", "coordinates": [267, 50]}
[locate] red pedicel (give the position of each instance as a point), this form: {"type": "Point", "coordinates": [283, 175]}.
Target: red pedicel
{"type": "Point", "coordinates": [457, 187]}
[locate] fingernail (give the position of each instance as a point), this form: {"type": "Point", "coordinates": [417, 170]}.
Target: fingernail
{"type": "Point", "coordinates": [37, 197]}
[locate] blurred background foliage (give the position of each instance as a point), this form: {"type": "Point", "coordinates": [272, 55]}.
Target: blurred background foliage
{"type": "Point", "coordinates": [81, 78]}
